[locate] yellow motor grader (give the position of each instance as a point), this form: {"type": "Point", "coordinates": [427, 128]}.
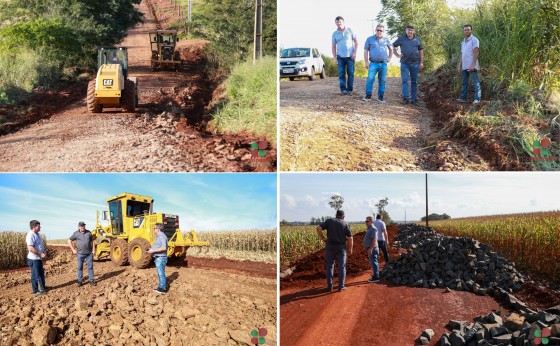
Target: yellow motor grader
{"type": "Point", "coordinates": [112, 87]}
{"type": "Point", "coordinates": [130, 232]}
{"type": "Point", "coordinates": [164, 54]}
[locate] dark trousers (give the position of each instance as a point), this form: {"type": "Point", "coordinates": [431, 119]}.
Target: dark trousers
{"type": "Point", "coordinates": [383, 247]}
{"type": "Point", "coordinates": [37, 274]}
{"type": "Point", "coordinates": [333, 251]}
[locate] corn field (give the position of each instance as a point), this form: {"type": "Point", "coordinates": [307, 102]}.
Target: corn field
{"type": "Point", "coordinates": [252, 241]}
{"type": "Point", "coordinates": [299, 241]}
{"type": "Point", "coordinates": [531, 240]}
{"type": "Point", "coordinates": [13, 250]}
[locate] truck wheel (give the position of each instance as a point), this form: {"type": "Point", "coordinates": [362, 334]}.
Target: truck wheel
{"type": "Point", "coordinates": [312, 77]}
{"type": "Point", "coordinates": [92, 105]}
{"type": "Point", "coordinates": [138, 253]}
{"type": "Point", "coordinates": [128, 96]}
{"type": "Point", "coordinates": [322, 75]}
{"type": "Point", "coordinates": [119, 252]}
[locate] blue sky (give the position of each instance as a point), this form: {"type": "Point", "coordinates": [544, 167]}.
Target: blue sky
{"type": "Point", "coordinates": [204, 202]}
{"type": "Point", "coordinates": [311, 22]}
{"type": "Point", "coordinates": [303, 196]}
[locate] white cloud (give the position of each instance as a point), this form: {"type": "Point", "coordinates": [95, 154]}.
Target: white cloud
{"type": "Point", "coordinates": [312, 202]}
{"type": "Point", "coordinates": [533, 203]}
{"type": "Point", "coordinates": [290, 201]}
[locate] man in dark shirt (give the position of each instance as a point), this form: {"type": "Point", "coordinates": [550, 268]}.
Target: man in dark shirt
{"type": "Point", "coordinates": [412, 60]}
{"type": "Point", "coordinates": [338, 238]}
{"type": "Point", "coordinates": [85, 245]}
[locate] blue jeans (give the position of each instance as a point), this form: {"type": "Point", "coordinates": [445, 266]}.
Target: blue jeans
{"type": "Point", "coordinates": [89, 262]}
{"type": "Point", "coordinates": [333, 251]}
{"type": "Point", "coordinates": [374, 261]}
{"type": "Point", "coordinates": [474, 78]}
{"type": "Point", "coordinates": [381, 70]}
{"type": "Point", "coordinates": [37, 274]}
{"type": "Point", "coordinates": [409, 74]}
{"type": "Point", "coordinates": [383, 247]}
{"type": "Point", "coordinates": [345, 66]}
{"type": "Point", "coordinates": [160, 262]}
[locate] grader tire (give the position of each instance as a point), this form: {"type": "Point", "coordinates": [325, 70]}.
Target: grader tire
{"type": "Point", "coordinates": [128, 97]}
{"type": "Point", "coordinates": [92, 105]}
{"type": "Point", "coordinates": [138, 255]}
{"type": "Point", "coordinates": [119, 252]}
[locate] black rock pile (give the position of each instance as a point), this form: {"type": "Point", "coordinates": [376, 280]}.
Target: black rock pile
{"type": "Point", "coordinates": [458, 263]}
{"type": "Point", "coordinates": [515, 328]}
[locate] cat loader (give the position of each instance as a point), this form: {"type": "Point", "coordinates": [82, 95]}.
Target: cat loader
{"type": "Point", "coordinates": [112, 87]}
{"type": "Point", "coordinates": [130, 232]}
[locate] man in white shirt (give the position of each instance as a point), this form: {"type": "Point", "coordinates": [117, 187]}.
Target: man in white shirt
{"type": "Point", "coordinates": [468, 64]}
{"type": "Point", "coordinates": [35, 258]}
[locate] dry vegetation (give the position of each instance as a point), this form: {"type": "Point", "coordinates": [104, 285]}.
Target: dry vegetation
{"type": "Point", "coordinates": [13, 250]}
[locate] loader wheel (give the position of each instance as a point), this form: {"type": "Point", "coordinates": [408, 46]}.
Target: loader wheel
{"type": "Point", "coordinates": [138, 253]}
{"type": "Point", "coordinates": [92, 105]}
{"type": "Point", "coordinates": [119, 252]}
{"type": "Point", "coordinates": [128, 97]}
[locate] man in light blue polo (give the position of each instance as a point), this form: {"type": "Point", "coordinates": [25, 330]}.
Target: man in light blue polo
{"type": "Point", "coordinates": [159, 252]}
{"type": "Point", "coordinates": [468, 64]}
{"type": "Point", "coordinates": [344, 47]}
{"type": "Point", "coordinates": [370, 244]}
{"type": "Point", "coordinates": [35, 258]}
{"type": "Point", "coordinates": [377, 53]}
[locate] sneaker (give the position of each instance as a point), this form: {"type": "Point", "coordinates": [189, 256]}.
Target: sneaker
{"type": "Point", "coordinates": [374, 279]}
{"type": "Point", "coordinates": [461, 100]}
{"type": "Point", "coordinates": [349, 93]}
{"type": "Point", "coordinates": [159, 290]}
{"type": "Point", "coordinates": [367, 98]}
{"type": "Point", "coordinates": [476, 102]}
{"type": "Point", "coordinates": [93, 283]}
{"type": "Point", "coordinates": [380, 99]}
{"type": "Point", "coordinates": [80, 284]}
{"type": "Point", "coordinates": [39, 293]}
{"type": "Point", "coordinates": [414, 103]}
{"type": "Point", "coordinates": [329, 288]}
{"type": "Point", "coordinates": [404, 101]}
{"type": "Point", "coordinates": [341, 289]}
{"type": "Point", "coordinates": [344, 92]}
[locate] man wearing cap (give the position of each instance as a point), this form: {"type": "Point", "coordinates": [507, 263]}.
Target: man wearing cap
{"type": "Point", "coordinates": [35, 258]}
{"type": "Point", "coordinates": [377, 53]}
{"type": "Point", "coordinates": [412, 60]}
{"type": "Point", "coordinates": [85, 245]}
{"type": "Point", "coordinates": [468, 65]}
{"type": "Point", "coordinates": [339, 238]}
{"type": "Point", "coordinates": [344, 47]}
{"type": "Point", "coordinates": [159, 252]}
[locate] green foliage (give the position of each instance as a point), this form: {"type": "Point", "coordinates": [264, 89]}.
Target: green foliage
{"type": "Point", "coordinates": [229, 25]}
{"type": "Point", "coordinates": [251, 104]}
{"type": "Point", "coordinates": [336, 202]}
{"type": "Point", "coordinates": [435, 216]}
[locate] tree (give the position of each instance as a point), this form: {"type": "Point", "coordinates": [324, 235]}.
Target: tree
{"type": "Point", "coordinates": [336, 202]}
{"type": "Point", "coordinates": [381, 210]}
{"type": "Point", "coordinates": [434, 216]}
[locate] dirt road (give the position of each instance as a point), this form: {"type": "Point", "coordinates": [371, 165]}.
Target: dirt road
{"type": "Point", "coordinates": [324, 131]}
{"type": "Point", "coordinates": [165, 134]}
{"type": "Point", "coordinates": [204, 307]}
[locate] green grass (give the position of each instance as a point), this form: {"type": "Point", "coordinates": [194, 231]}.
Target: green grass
{"type": "Point", "coordinates": [18, 75]}
{"type": "Point", "coordinates": [251, 100]}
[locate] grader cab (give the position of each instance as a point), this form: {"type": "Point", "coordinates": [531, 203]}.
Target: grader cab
{"type": "Point", "coordinates": [130, 232]}
{"type": "Point", "coordinates": [164, 54]}
{"type": "Point", "coordinates": [112, 87]}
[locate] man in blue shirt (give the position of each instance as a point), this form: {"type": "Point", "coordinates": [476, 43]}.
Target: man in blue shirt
{"type": "Point", "coordinates": [85, 245]}
{"type": "Point", "coordinates": [412, 60]}
{"type": "Point", "coordinates": [35, 257]}
{"type": "Point", "coordinates": [159, 252]}
{"type": "Point", "coordinates": [344, 47]}
{"type": "Point", "coordinates": [377, 53]}
{"type": "Point", "coordinates": [370, 245]}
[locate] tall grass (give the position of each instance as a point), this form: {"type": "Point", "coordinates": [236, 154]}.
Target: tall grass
{"type": "Point", "coordinates": [530, 240]}
{"type": "Point", "coordinates": [13, 250]}
{"type": "Point", "coordinates": [251, 100]}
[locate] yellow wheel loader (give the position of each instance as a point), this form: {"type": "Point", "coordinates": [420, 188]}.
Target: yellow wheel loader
{"type": "Point", "coordinates": [112, 87]}
{"type": "Point", "coordinates": [164, 55]}
{"type": "Point", "coordinates": [130, 232]}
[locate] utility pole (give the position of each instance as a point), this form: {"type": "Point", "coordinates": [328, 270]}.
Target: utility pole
{"type": "Point", "coordinates": [258, 31]}
{"type": "Point", "coordinates": [426, 199]}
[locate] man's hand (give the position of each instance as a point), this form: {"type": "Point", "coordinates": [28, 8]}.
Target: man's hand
{"type": "Point", "coordinates": [43, 255]}
{"type": "Point", "coordinates": [421, 66]}
{"type": "Point", "coordinates": [472, 69]}
{"type": "Point", "coordinates": [350, 251]}
{"type": "Point", "coordinates": [353, 56]}
{"type": "Point", "coordinates": [335, 60]}
{"type": "Point", "coordinates": [370, 251]}
{"type": "Point", "coordinates": [74, 252]}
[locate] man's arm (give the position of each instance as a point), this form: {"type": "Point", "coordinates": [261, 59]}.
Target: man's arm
{"type": "Point", "coordinates": [319, 230]}
{"type": "Point", "coordinates": [475, 58]}
{"type": "Point", "coordinates": [350, 244]}
{"type": "Point", "coordinates": [460, 63]}
{"type": "Point", "coordinates": [71, 246]}
{"type": "Point", "coordinates": [421, 59]}
{"type": "Point", "coordinates": [334, 54]}
{"type": "Point", "coordinates": [390, 53]}
{"type": "Point", "coordinates": [31, 249]}
{"type": "Point", "coordinates": [366, 58]}
{"type": "Point", "coordinates": [386, 236]}
{"type": "Point", "coordinates": [355, 48]}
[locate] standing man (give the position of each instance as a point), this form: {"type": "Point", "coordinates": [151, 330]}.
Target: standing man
{"type": "Point", "coordinates": [339, 237]}
{"type": "Point", "coordinates": [377, 53]}
{"type": "Point", "coordinates": [159, 252]}
{"type": "Point", "coordinates": [370, 245]}
{"type": "Point", "coordinates": [85, 245]}
{"type": "Point", "coordinates": [382, 236]}
{"type": "Point", "coordinates": [468, 64]}
{"type": "Point", "coordinates": [35, 258]}
{"type": "Point", "coordinates": [344, 47]}
{"type": "Point", "coordinates": [412, 60]}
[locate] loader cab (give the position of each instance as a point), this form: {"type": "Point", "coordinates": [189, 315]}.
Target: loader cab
{"type": "Point", "coordinates": [113, 55]}
{"type": "Point", "coordinates": [162, 43]}
{"type": "Point", "coordinates": [124, 209]}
